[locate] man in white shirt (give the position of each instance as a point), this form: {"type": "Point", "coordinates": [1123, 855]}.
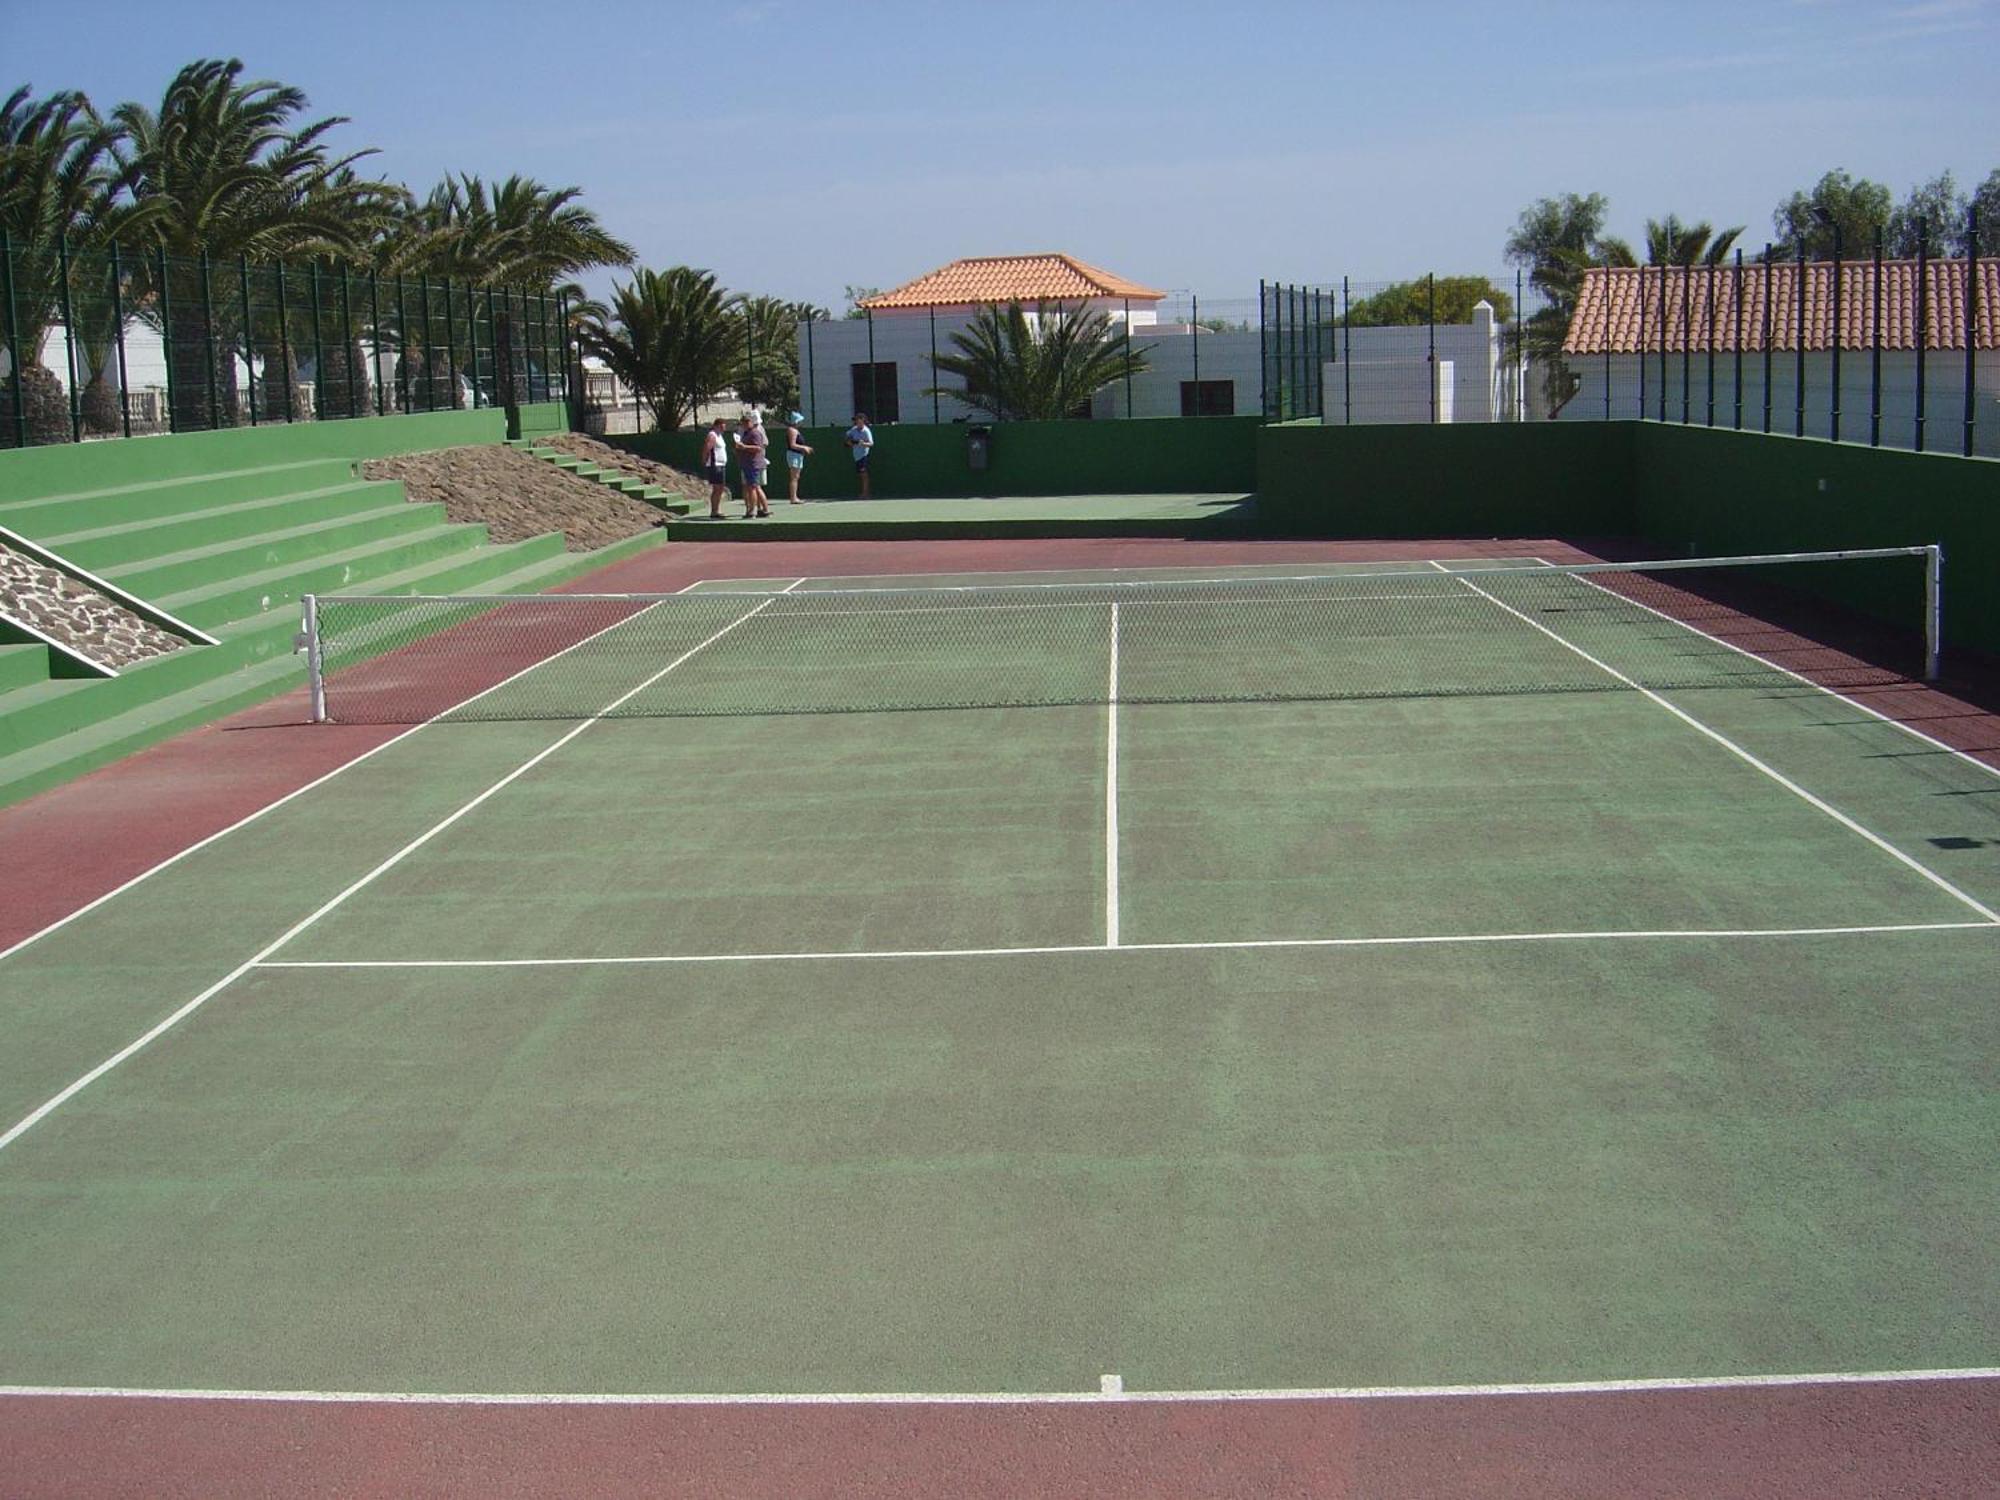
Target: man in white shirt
{"type": "Point", "coordinates": [861, 439]}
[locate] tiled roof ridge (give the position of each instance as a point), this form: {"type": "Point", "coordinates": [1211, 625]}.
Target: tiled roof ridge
{"type": "Point", "coordinates": [1618, 307]}
{"type": "Point", "coordinates": [1051, 275]}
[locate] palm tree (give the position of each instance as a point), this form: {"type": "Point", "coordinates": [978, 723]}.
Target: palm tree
{"type": "Point", "coordinates": [60, 190]}
{"type": "Point", "coordinates": [769, 372]}
{"type": "Point", "coordinates": [230, 176]}
{"type": "Point", "coordinates": [516, 235]}
{"type": "Point", "coordinates": [1669, 242]}
{"type": "Point", "coordinates": [1018, 370]}
{"type": "Point", "coordinates": [673, 336]}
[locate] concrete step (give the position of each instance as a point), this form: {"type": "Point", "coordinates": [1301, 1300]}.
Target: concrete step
{"type": "Point", "coordinates": [221, 561]}
{"type": "Point", "coordinates": [82, 510]}
{"type": "Point", "coordinates": [132, 541]}
{"type": "Point", "coordinates": [22, 665]}
{"type": "Point", "coordinates": [349, 569]}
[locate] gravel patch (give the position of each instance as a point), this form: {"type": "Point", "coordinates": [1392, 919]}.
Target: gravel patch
{"type": "Point", "coordinates": [674, 481]}
{"type": "Point", "coordinates": [77, 615]}
{"type": "Point", "coordinates": [516, 496]}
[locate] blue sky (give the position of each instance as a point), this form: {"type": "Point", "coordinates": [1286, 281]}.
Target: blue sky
{"type": "Point", "coordinates": [796, 146]}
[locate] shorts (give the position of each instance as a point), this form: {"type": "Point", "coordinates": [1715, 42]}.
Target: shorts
{"type": "Point", "coordinates": [861, 462]}
{"type": "Point", "coordinates": [795, 460]}
{"type": "Point", "coordinates": [717, 473]}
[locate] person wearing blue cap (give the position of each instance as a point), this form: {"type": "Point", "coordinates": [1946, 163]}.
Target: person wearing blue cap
{"type": "Point", "coordinates": [795, 455]}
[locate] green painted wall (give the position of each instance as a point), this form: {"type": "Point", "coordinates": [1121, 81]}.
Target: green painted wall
{"type": "Point", "coordinates": [1156, 456]}
{"type": "Point", "coordinates": [71, 468]}
{"type": "Point", "coordinates": [1475, 480]}
{"type": "Point", "coordinates": [1698, 492]}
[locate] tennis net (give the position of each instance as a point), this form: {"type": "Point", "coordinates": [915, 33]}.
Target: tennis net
{"type": "Point", "coordinates": [1406, 630]}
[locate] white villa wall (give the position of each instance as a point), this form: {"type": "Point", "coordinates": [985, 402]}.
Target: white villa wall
{"type": "Point", "coordinates": [1944, 396]}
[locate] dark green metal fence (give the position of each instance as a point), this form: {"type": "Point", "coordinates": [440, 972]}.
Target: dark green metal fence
{"type": "Point", "coordinates": [119, 340]}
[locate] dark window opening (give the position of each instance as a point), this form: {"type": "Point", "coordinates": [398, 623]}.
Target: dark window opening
{"type": "Point", "coordinates": [1208, 398]}
{"type": "Point", "coordinates": [875, 391]}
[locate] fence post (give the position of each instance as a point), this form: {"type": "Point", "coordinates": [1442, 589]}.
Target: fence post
{"type": "Point", "coordinates": [1687, 340]}
{"type": "Point", "coordinates": [562, 332]}
{"type": "Point", "coordinates": [167, 341]}
{"type": "Point", "coordinates": [812, 374]}
{"type": "Point", "coordinates": [1520, 353]}
{"type": "Point", "coordinates": [15, 361]}
{"type": "Point", "coordinates": [932, 312]}
{"type": "Point", "coordinates": [1643, 351]}
{"type": "Point", "coordinates": [208, 344]}
{"type": "Point", "coordinates": [451, 349]}
{"type": "Point", "coordinates": [1875, 356]}
{"type": "Point", "coordinates": [874, 386]}
{"type": "Point", "coordinates": [1663, 343]}
{"type": "Point", "coordinates": [375, 337]}
{"type": "Point", "coordinates": [1431, 316]}
{"type": "Point", "coordinates": [1713, 323]}
{"type": "Point", "coordinates": [1347, 354]}
{"type": "Point", "coordinates": [1194, 345]}
{"type": "Point", "coordinates": [1128, 356]}
{"type": "Point", "coordinates": [284, 343]}
{"type": "Point", "coordinates": [347, 360]}
{"type": "Point", "coordinates": [1607, 342]}
{"type": "Point", "coordinates": [429, 346]}
{"type": "Point", "coordinates": [1770, 302]}
{"type": "Point", "coordinates": [403, 344]}
{"type": "Point", "coordinates": [548, 359]}
{"type": "Point", "coordinates": [319, 348]}
{"type": "Point", "coordinates": [249, 348]}
{"type": "Point", "coordinates": [1839, 314]}
{"type": "Point", "coordinates": [1736, 336]}
{"type": "Point", "coordinates": [118, 325]}
{"type": "Point", "coordinates": [1263, 359]}
{"type": "Point", "coordinates": [1923, 325]}
{"type": "Point", "coordinates": [69, 337]}
{"type": "Point", "coordinates": [1971, 325]}
{"type": "Point", "coordinates": [1799, 348]}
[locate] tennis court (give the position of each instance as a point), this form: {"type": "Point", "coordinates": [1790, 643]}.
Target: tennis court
{"type": "Point", "coordinates": [1036, 983]}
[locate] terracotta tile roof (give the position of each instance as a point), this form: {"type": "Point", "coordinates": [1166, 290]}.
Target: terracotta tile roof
{"type": "Point", "coordinates": [1703, 307]}
{"type": "Point", "coordinates": [1026, 279]}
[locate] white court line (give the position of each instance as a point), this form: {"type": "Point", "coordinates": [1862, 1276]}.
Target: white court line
{"type": "Point", "coordinates": [1839, 697]}
{"type": "Point", "coordinates": [951, 607]}
{"type": "Point", "coordinates": [273, 806]}
{"type": "Point", "coordinates": [1110, 1388]}
{"type": "Point", "coordinates": [1111, 794]}
{"type": "Point", "coordinates": [1219, 944]}
{"type": "Point", "coordinates": [1220, 571]}
{"type": "Point", "coordinates": [1747, 758]}
{"type": "Point", "coordinates": [41, 1112]}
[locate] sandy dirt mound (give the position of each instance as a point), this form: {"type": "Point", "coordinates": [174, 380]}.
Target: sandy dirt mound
{"type": "Point", "coordinates": [674, 481]}
{"type": "Point", "coordinates": [78, 616]}
{"type": "Point", "coordinates": [518, 496]}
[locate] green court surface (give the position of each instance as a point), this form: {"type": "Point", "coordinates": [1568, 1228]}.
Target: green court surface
{"type": "Point", "coordinates": [1044, 515]}
{"type": "Point", "coordinates": [1411, 1040]}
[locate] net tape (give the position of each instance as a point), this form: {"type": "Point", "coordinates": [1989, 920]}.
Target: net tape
{"type": "Point", "coordinates": [1383, 634]}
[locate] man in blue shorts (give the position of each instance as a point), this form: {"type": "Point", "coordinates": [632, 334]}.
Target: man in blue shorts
{"type": "Point", "coordinates": [861, 440]}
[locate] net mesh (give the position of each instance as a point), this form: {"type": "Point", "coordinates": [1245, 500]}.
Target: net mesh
{"type": "Point", "coordinates": [1380, 634]}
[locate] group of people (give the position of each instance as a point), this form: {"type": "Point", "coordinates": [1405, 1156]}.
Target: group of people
{"type": "Point", "coordinates": [753, 459]}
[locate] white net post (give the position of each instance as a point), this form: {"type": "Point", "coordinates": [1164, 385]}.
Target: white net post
{"type": "Point", "coordinates": [1933, 609]}
{"type": "Point", "coordinates": [315, 658]}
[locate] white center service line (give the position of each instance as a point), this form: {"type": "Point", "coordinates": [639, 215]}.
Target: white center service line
{"type": "Point", "coordinates": [37, 1115]}
{"type": "Point", "coordinates": [1741, 754]}
{"type": "Point", "coordinates": [1111, 795]}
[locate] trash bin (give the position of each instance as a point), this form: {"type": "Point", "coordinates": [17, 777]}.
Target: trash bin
{"type": "Point", "coordinates": [978, 447]}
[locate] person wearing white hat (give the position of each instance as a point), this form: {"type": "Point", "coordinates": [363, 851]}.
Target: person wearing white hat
{"type": "Point", "coordinates": [795, 455]}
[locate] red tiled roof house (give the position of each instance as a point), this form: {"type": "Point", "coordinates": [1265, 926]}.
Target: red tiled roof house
{"type": "Point", "coordinates": [1785, 315]}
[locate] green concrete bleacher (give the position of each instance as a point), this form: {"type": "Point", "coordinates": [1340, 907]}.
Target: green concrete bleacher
{"type": "Point", "coordinates": [229, 551]}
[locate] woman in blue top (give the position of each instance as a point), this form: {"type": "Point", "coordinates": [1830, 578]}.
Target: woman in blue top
{"type": "Point", "coordinates": [795, 455]}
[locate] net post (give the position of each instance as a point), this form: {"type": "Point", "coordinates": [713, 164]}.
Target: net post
{"type": "Point", "coordinates": [315, 659]}
{"type": "Point", "coordinates": [1933, 609]}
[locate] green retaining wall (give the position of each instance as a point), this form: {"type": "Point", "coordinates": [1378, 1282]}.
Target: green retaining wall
{"type": "Point", "coordinates": [1546, 479]}
{"type": "Point", "coordinates": [74, 468]}
{"type": "Point", "coordinates": [1702, 492]}
{"type": "Point", "coordinates": [1148, 456]}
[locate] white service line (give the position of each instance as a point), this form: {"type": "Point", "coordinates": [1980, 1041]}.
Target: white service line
{"type": "Point", "coordinates": [1762, 661]}
{"type": "Point", "coordinates": [1110, 1387]}
{"type": "Point", "coordinates": [272, 806]}
{"type": "Point", "coordinates": [41, 1112]}
{"type": "Point", "coordinates": [1111, 794]}
{"type": "Point", "coordinates": [1219, 944]}
{"type": "Point", "coordinates": [1746, 757]}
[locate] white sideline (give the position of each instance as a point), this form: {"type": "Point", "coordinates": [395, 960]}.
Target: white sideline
{"type": "Point", "coordinates": [1110, 1388]}
{"type": "Point", "coordinates": [1874, 713]}
{"type": "Point", "coordinates": [1223, 944]}
{"type": "Point", "coordinates": [272, 806]}
{"type": "Point", "coordinates": [1745, 756]}
{"type": "Point", "coordinates": [1111, 794]}
{"type": "Point", "coordinates": [42, 1111]}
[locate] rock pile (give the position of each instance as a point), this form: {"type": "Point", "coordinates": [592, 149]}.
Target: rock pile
{"type": "Point", "coordinates": [81, 618]}
{"type": "Point", "coordinates": [517, 496]}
